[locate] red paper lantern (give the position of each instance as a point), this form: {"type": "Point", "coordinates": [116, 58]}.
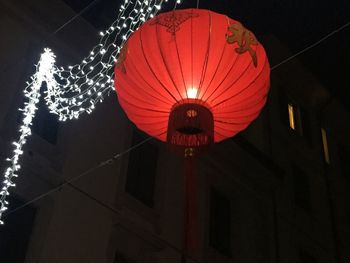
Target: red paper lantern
{"type": "Point", "coordinates": [192, 77]}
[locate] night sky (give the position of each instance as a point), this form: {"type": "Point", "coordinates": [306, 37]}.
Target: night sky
{"type": "Point", "coordinates": [297, 24]}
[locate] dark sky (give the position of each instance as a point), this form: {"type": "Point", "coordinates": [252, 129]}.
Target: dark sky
{"type": "Point", "coordinates": [298, 24]}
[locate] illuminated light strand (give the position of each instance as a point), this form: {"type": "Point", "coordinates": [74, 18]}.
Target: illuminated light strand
{"type": "Point", "coordinates": [71, 92]}
{"type": "Point", "coordinates": [88, 81]}
{"type": "Point", "coordinates": [32, 93]}
{"type": "Point", "coordinates": [82, 86]}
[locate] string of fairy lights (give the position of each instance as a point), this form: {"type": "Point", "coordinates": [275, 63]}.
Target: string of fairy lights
{"type": "Point", "coordinates": [76, 89]}
{"type": "Point", "coordinates": [85, 84]}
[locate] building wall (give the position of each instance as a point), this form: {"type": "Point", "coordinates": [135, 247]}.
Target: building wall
{"type": "Point", "coordinates": [286, 203]}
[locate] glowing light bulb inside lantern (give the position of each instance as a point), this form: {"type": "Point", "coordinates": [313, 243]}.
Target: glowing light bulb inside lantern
{"type": "Point", "coordinates": [192, 93]}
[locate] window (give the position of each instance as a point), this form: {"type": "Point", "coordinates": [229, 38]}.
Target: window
{"type": "Point", "coordinates": [15, 234]}
{"type": "Point", "coordinates": [220, 223]}
{"type": "Point", "coordinates": [301, 188]}
{"type": "Point", "coordinates": [325, 146]}
{"type": "Point", "coordinates": [290, 113]}
{"type": "Point", "coordinates": [299, 121]}
{"type": "Point", "coordinates": [295, 117]}
{"type": "Point", "coordinates": [142, 170]}
{"type": "Point", "coordinates": [45, 124]}
{"type": "Point", "coordinates": [305, 257]}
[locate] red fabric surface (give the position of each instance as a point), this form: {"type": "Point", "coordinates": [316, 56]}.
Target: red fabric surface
{"type": "Point", "coordinates": [183, 49]}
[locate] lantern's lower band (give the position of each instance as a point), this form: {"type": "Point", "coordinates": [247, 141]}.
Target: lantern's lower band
{"type": "Point", "coordinates": [190, 125]}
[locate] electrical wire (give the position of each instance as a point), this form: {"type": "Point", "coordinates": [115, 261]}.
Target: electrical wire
{"type": "Point", "coordinates": [81, 12]}
{"type": "Point", "coordinates": [311, 46]}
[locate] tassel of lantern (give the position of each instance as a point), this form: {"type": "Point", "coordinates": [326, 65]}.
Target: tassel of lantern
{"type": "Point", "coordinates": [191, 226]}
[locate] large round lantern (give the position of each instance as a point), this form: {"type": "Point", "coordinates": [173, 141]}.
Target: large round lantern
{"type": "Point", "coordinates": [192, 77]}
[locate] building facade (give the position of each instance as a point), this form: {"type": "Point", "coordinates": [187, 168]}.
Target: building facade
{"type": "Point", "coordinates": [277, 192]}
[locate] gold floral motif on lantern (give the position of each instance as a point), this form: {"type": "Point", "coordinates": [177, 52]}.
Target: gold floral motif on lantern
{"type": "Point", "coordinates": [244, 39]}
